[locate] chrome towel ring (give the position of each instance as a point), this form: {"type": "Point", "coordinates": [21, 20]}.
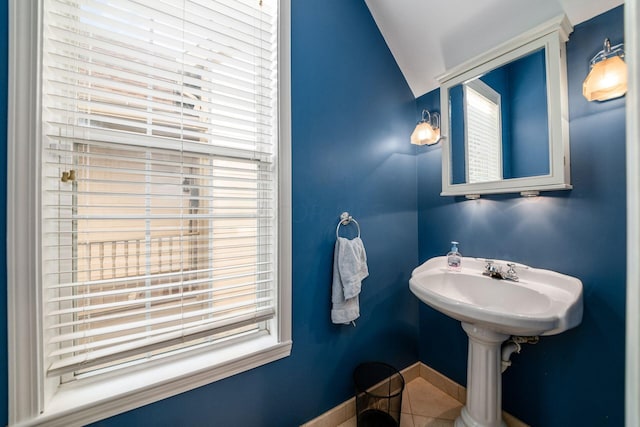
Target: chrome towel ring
{"type": "Point", "coordinates": [346, 219]}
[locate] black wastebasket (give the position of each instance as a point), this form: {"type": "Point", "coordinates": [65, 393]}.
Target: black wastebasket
{"type": "Point", "coordinates": [379, 389]}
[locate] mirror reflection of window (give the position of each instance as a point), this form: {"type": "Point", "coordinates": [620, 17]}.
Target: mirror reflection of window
{"type": "Point", "coordinates": [483, 132]}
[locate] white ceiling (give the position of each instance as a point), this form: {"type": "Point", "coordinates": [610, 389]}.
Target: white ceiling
{"type": "Point", "coordinates": [427, 37]}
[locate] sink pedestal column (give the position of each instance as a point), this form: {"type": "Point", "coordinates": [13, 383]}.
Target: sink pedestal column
{"type": "Point", "coordinates": [484, 379]}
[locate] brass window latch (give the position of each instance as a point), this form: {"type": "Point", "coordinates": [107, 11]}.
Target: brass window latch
{"type": "Point", "coordinates": [68, 175]}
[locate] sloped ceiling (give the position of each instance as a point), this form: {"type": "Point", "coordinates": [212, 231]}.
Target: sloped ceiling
{"type": "Point", "coordinates": [427, 37]}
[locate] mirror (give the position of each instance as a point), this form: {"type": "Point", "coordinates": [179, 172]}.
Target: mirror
{"type": "Point", "coordinates": [498, 123]}
{"type": "Point", "coordinates": [504, 117]}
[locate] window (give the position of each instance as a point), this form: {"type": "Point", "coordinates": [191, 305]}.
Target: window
{"type": "Point", "coordinates": [160, 215]}
{"type": "Point", "coordinates": [483, 132]}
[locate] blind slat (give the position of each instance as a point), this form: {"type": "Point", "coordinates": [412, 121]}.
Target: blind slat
{"type": "Point", "coordinates": [153, 299]}
{"type": "Point", "coordinates": [127, 141]}
{"type": "Point", "coordinates": [159, 176]}
{"type": "Point", "coordinates": [158, 34]}
{"type": "Point", "coordinates": [137, 31]}
{"type": "Point", "coordinates": [121, 305]}
{"type": "Point", "coordinates": [144, 287]}
{"type": "Point", "coordinates": [93, 345]}
{"type": "Point", "coordinates": [87, 360]}
{"type": "Point", "coordinates": [183, 316]}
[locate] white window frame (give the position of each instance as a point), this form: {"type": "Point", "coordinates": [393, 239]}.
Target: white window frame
{"type": "Point", "coordinates": [31, 401]}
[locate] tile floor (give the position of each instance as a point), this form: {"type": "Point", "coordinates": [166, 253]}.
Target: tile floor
{"type": "Point", "coordinates": [427, 401]}
{"type": "Point", "coordinates": [423, 405]}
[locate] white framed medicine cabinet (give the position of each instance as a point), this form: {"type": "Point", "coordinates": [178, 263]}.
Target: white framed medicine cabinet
{"type": "Point", "coordinates": [521, 129]}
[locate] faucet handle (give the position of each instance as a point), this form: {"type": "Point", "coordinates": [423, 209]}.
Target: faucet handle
{"type": "Point", "coordinates": [512, 274]}
{"type": "Point", "coordinates": [490, 267]}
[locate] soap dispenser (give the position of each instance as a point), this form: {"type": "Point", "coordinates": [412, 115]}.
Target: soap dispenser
{"type": "Point", "coordinates": [454, 258]}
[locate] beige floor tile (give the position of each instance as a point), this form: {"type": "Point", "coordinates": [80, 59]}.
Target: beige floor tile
{"type": "Point", "coordinates": [406, 420]}
{"type": "Point", "coordinates": [406, 404]}
{"type": "Point", "coordinates": [423, 405]}
{"type": "Point", "coordinates": [419, 421]}
{"type": "Point", "coordinates": [440, 381]}
{"type": "Point", "coordinates": [351, 422]}
{"type": "Point", "coordinates": [409, 420]}
{"type": "Point", "coordinates": [426, 400]}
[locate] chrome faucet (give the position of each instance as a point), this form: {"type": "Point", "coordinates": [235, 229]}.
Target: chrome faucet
{"type": "Point", "coordinates": [511, 273]}
{"type": "Point", "coordinates": [493, 270]}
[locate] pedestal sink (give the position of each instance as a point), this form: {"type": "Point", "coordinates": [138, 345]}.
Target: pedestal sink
{"type": "Point", "coordinates": [541, 302]}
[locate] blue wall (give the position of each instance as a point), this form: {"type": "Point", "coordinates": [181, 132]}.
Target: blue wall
{"type": "Point", "coordinates": [576, 378]}
{"type": "Point", "coordinates": [350, 129]}
{"type": "Point", "coordinates": [352, 115]}
{"type": "Point", "coordinates": [528, 154]}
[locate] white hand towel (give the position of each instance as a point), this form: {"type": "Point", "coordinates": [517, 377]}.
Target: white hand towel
{"type": "Point", "coordinates": [352, 264]}
{"type": "Point", "coordinates": [349, 269]}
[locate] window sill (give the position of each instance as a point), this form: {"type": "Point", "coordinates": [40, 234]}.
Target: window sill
{"type": "Point", "coordinates": [91, 400]}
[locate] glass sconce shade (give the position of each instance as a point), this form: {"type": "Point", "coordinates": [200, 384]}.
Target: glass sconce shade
{"type": "Point", "coordinates": [608, 76]}
{"type": "Point", "coordinates": [427, 131]}
{"type": "Point", "coordinates": [423, 134]}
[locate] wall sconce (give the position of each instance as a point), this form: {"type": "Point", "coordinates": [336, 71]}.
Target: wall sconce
{"type": "Point", "coordinates": [607, 77]}
{"type": "Point", "coordinates": [427, 131]}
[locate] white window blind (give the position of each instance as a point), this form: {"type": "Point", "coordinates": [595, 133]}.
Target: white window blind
{"type": "Point", "coordinates": [159, 182]}
{"type": "Point", "coordinates": [483, 132]}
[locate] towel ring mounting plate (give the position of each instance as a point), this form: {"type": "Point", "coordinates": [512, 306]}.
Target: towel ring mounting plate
{"type": "Point", "coordinates": [346, 219]}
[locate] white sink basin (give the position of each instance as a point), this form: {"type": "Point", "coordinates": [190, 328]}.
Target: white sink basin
{"type": "Point", "coordinates": [542, 302]}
